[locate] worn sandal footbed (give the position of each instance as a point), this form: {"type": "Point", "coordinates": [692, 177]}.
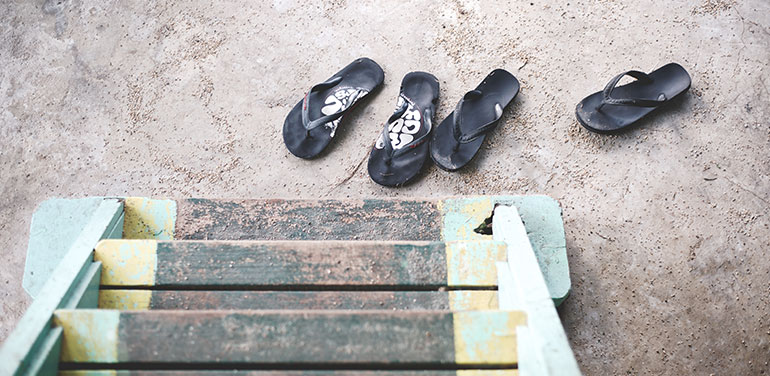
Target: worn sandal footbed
{"type": "Point", "coordinates": [311, 124]}
{"type": "Point", "coordinates": [616, 108]}
{"type": "Point", "coordinates": [459, 137]}
{"type": "Point", "coordinates": [401, 149]}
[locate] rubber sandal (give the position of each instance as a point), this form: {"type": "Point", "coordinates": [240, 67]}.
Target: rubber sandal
{"type": "Point", "coordinates": [312, 123]}
{"type": "Point", "coordinates": [459, 137]}
{"type": "Point", "coordinates": [617, 107]}
{"type": "Point", "coordinates": [400, 152]}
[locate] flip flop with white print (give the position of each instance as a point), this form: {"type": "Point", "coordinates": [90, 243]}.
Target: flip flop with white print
{"type": "Point", "coordinates": [312, 123]}
{"type": "Point", "coordinates": [459, 137]}
{"type": "Point", "coordinates": [616, 108]}
{"type": "Point", "coordinates": [400, 152]}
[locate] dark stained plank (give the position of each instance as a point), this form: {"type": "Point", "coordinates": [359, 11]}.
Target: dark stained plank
{"type": "Point", "coordinates": [288, 300]}
{"type": "Point", "coordinates": [299, 264]}
{"type": "Point", "coordinates": [469, 372]}
{"type": "Point", "coordinates": [296, 338]}
{"type": "Point", "coordinates": [307, 220]}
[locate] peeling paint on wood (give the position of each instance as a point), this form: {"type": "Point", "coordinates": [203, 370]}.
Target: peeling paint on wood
{"type": "Point", "coordinates": [402, 338]}
{"type": "Point", "coordinates": [89, 335]}
{"type": "Point", "coordinates": [127, 262]}
{"type": "Point", "coordinates": [291, 264]}
{"type": "Point", "coordinates": [467, 372]}
{"type": "Point", "coordinates": [483, 338]}
{"type": "Point", "coordinates": [147, 218]}
{"type": "Point", "coordinates": [294, 300]}
{"type": "Point", "coordinates": [308, 220]}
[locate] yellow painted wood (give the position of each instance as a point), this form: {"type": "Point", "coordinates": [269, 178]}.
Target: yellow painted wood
{"type": "Point", "coordinates": [473, 263]}
{"type": "Point", "coordinates": [89, 335]}
{"type": "Point", "coordinates": [99, 372]}
{"type": "Point", "coordinates": [127, 262]}
{"type": "Point", "coordinates": [486, 337]}
{"type": "Point", "coordinates": [473, 300]}
{"type": "Point", "coordinates": [125, 299]}
{"type": "Point", "coordinates": [473, 372]}
{"type": "Point", "coordinates": [462, 216]}
{"type": "Point", "coordinates": [149, 219]}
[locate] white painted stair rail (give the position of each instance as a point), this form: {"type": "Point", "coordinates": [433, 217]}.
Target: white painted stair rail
{"type": "Point", "coordinates": [543, 345]}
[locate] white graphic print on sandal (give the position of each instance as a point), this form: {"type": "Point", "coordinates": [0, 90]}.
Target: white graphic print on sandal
{"type": "Point", "coordinates": [403, 130]}
{"type": "Point", "coordinates": [341, 100]}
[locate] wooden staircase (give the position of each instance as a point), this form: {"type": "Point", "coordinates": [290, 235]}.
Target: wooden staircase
{"type": "Point", "coordinates": [296, 287]}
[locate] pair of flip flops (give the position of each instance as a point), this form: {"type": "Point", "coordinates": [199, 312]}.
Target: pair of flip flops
{"type": "Point", "coordinates": [402, 149]}
{"type": "Point", "coordinates": [617, 108]}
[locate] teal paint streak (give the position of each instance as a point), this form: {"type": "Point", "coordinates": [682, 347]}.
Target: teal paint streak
{"type": "Point", "coordinates": [455, 219]}
{"type": "Point", "coordinates": [542, 217]}
{"type": "Point", "coordinates": [56, 224]}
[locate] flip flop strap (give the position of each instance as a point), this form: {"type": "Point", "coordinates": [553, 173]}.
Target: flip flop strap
{"type": "Point", "coordinates": [425, 119]}
{"type": "Point", "coordinates": [312, 124]}
{"type": "Point", "coordinates": [476, 133]}
{"type": "Point", "coordinates": [638, 102]}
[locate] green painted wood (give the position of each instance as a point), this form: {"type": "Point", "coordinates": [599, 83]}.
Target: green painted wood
{"type": "Point", "coordinates": [307, 220]}
{"type": "Point", "coordinates": [47, 360]}
{"type": "Point", "coordinates": [282, 264]}
{"type": "Point", "coordinates": [56, 225]}
{"type": "Point", "coordinates": [23, 345]}
{"type": "Point", "coordinates": [296, 338]}
{"type": "Point", "coordinates": [542, 217]}
{"type": "Point", "coordinates": [292, 300]}
{"type": "Point", "coordinates": [117, 230]}
{"type": "Point", "coordinates": [377, 220]}
{"type": "Point", "coordinates": [85, 293]}
{"type": "Point", "coordinates": [545, 349]}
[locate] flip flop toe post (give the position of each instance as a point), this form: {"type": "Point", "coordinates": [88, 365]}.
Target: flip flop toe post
{"type": "Point", "coordinates": [401, 149]}
{"type": "Point", "coordinates": [312, 123]}
{"type": "Point", "coordinates": [459, 137]}
{"type": "Point", "coordinates": [616, 108]}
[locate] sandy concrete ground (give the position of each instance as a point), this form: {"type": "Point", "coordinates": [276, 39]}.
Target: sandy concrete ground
{"type": "Point", "coordinates": [667, 225]}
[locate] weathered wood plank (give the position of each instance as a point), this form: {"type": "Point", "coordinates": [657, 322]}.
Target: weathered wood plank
{"type": "Point", "coordinates": [294, 300]}
{"type": "Point", "coordinates": [296, 338]}
{"type": "Point", "coordinates": [22, 347]}
{"type": "Point", "coordinates": [449, 219]}
{"type": "Point", "coordinates": [467, 372]}
{"type": "Point", "coordinates": [307, 220]}
{"type": "Point", "coordinates": [294, 264]}
{"type": "Point", "coordinates": [86, 289]}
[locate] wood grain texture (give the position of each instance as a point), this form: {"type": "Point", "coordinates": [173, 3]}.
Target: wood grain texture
{"type": "Point", "coordinates": [468, 372]}
{"type": "Point", "coordinates": [403, 338]}
{"type": "Point", "coordinates": [299, 264]}
{"type": "Point", "coordinates": [307, 220]}
{"type": "Point", "coordinates": [287, 300]}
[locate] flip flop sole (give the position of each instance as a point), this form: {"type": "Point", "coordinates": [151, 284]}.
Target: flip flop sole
{"type": "Point", "coordinates": [449, 154]}
{"type": "Point", "coordinates": [670, 80]}
{"type": "Point", "coordinates": [362, 74]}
{"type": "Point", "coordinates": [423, 89]}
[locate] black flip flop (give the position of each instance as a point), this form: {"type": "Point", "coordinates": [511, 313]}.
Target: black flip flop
{"type": "Point", "coordinates": [458, 138]}
{"type": "Point", "coordinates": [617, 107]}
{"type": "Point", "coordinates": [401, 150]}
{"type": "Point", "coordinates": [312, 123]}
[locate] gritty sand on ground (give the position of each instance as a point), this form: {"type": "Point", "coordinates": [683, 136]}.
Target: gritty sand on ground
{"type": "Point", "coordinates": [667, 225]}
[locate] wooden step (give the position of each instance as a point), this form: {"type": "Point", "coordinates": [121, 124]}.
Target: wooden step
{"type": "Point", "coordinates": [326, 339]}
{"type": "Point", "coordinates": [464, 372]}
{"type": "Point", "coordinates": [294, 300]}
{"type": "Point", "coordinates": [299, 264]}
